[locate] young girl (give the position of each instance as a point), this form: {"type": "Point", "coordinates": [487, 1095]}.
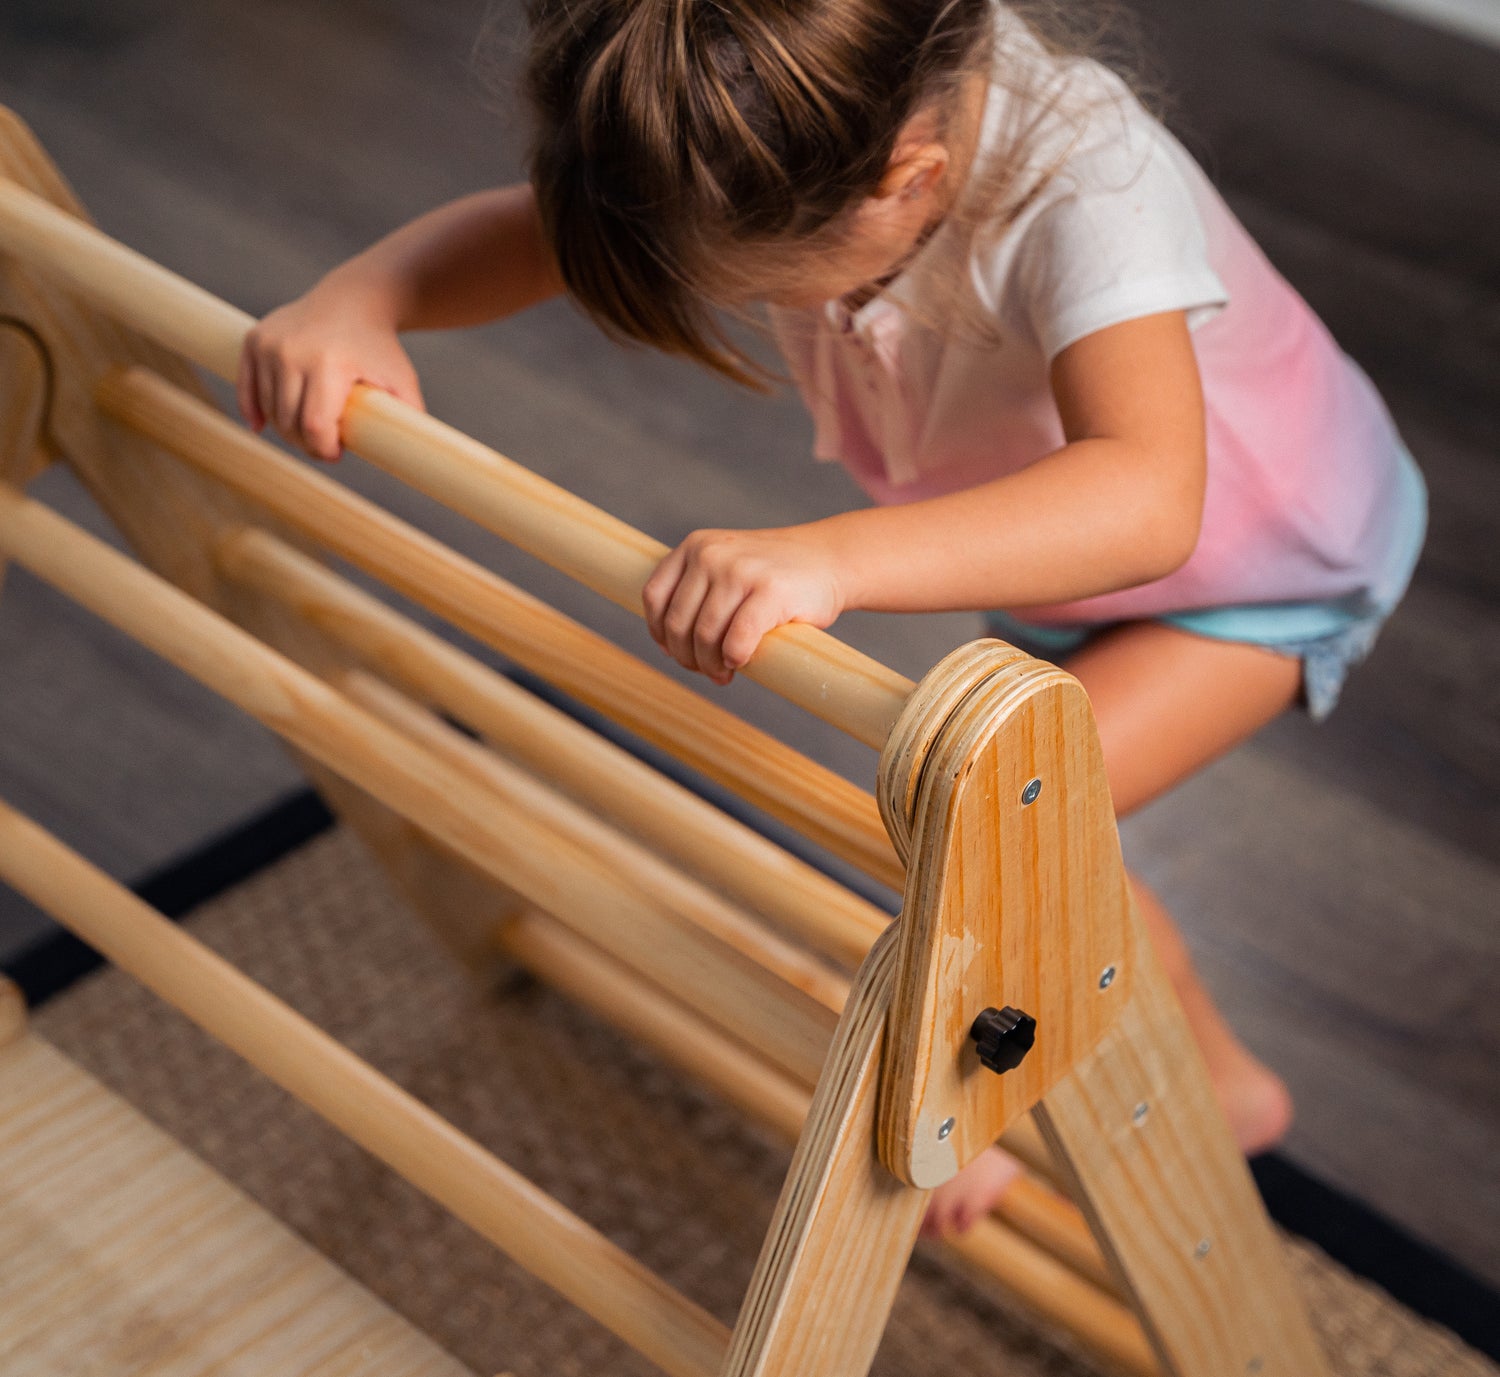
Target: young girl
{"type": "Point", "coordinates": [1021, 317]}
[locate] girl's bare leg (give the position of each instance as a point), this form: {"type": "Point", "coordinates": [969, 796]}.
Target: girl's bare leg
{"type": "Point", "coordinates": [1167, 703]}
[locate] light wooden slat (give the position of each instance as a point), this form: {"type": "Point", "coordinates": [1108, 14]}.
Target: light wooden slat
{"type": "Point", "coordinates": [628, 860]}
{"type": "Point", "coordinates": [611, 990]}
{"type": "Point", "coordinates": [809, 797]}
{"type": "Point", "coordinates": [808, 667]}
{"type": "Point", "coordinates": [1035, 1211]}
{"type": "Point", "coordinates": [167, 1268]}
{"type": "Point", "coordinates": [668, 817]}
{"type": "Point", "coordinates": [497, 835]}
{"type": "Point", "coordinates": [494, 1200]}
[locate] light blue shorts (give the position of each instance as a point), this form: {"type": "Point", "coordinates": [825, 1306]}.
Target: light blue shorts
{"type": "Point", "coordinates": [1330, 638]}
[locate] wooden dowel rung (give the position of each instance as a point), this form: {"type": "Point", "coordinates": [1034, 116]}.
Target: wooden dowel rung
{"type": "Point", "coordinates": [642, 1010]}
{"type": "Point", "coordinates": [808, 667]}
{"type": "Point", "coordinates": [492, 1198]}
{"type": "Point", "coordinates": [121, 282]}
{"type": "Point", "coordinates": [627, 860]}
{"type": "Point", "coordinates": [1024, 1140]}
{"type": "Point", "coordinates": [1021, 1138]}
{"type": "Point", "coordinates": [663, 814]}
{"type": "Point", "coordinates": [1038, 1212]}
{"type": "Point", "coordinates": [497, 836]}
{"type": "Point", "coordinates": [821, 674]}
{"type": "Point", "coordinates": [1047, 1284]}
{"type": "Point", "coordinates": [820, 804]}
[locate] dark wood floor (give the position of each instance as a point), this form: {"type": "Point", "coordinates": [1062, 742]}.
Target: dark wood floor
{"type": "Point", "coordinates": [1340, 884]}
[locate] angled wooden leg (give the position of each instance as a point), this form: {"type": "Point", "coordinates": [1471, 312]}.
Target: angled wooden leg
{"type": "Point", "coordinates": [844, 1226]}
{"type": "Point", "coordinates": [1170, 1199]}
{"type": "Point", "coordinates": [12, 1013]}
{"type": "Point", "coordinates": [22, 399]}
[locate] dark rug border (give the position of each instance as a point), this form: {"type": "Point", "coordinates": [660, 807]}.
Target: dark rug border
{"type": "Point", "coordinates": [1414, 1273]}
{"type": "Point", "coordinates": [50, 965]}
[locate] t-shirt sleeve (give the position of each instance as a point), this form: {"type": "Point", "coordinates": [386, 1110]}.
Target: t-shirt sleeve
{"type": "Point", "coordinates": [1116, 234]}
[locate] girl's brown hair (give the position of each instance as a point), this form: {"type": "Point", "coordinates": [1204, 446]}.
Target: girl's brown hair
{"type": "Point", "coordinates": [673, 134]}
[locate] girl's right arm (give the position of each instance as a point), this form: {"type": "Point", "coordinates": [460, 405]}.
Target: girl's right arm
{"type": "Point", "coordinates": [464, 263]}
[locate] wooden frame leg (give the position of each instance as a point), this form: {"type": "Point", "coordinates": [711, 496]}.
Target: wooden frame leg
{"type": "Point", "coordinates": [12, 1013]}
{"type": "Point", "coordinates": [1170, 1198]}
{"type": "Point", "coordinates": [844, 1226]}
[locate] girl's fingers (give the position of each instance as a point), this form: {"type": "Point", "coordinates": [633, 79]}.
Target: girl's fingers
{"type": "Point", "coordinates": [289, 385]}
{"type": "Point", "coordinates": [265, 388]}
{"type": "Point", "coordinates": [721, 606]}
{"type": "Point", "coordinates": [657, 591]}
{"type": "Point", "coordinates": [245, 393]}
{"type": "Point", "coordinates": [322, 409]}
{"type": "Point", "coordinates": [682, 616]}
{"type": "Point", "coordinates": [742, 637]}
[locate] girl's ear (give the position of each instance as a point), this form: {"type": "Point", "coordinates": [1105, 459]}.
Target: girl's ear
{"type": "Point", "coordinates": [914, 171]}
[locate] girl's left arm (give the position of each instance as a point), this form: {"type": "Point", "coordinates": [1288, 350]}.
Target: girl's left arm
{"type": "Point", "coordinates": [1119, 504]}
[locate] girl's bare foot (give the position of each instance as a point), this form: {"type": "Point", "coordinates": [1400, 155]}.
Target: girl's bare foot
{"type": "Point", "coordinates": [969, 1196]}
{"type": "Point", "coordinates": [1254, 1098]}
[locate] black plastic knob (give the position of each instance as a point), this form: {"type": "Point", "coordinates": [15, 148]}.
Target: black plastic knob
{"type": "Point", "coordinates": [1003, 1037]}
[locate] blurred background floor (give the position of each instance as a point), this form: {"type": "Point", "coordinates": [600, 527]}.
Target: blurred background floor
{"type": "Point", "coordinates": [1339, 884]}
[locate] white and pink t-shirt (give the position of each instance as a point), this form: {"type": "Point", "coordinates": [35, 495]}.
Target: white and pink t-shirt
{"type": "Point", "coordinates": [942, 381]}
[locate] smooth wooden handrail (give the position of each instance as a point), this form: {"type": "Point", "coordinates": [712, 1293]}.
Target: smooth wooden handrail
{"type": "Point", "coordinates": [629, 861]}
{"type": "Point", "coordinates": [498, 835]}
{"type": "Point", "coordinates": [667, 816]}
{"type": "Point", "coordinates": [825, 807]}
{"type": "Point", "coordinates": [808, 667]}
{"type": "Point", "coordinates": [493, 1199]}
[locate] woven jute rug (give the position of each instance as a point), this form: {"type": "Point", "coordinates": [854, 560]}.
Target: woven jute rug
{"type": "Point", "coordinates": [662, 1168]}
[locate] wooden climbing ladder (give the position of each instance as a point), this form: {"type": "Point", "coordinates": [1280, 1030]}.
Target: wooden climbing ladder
{"type": "Point", "coordinates": [1137, 1225]}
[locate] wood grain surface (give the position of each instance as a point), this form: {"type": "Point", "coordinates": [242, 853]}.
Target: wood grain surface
{"type": "Point", "coordinates": [828, 678]}
{"type": "Point", "coordinates": [763, 770]}
{"type": "Point", "coordinates": [121, 1253]}
{"type": "Point", "coordinates": [844, 1227]}
{"type": "Point", "coordinates": [1170, 1195]}
{"type": "Point", "coordinates": [994, 783]}
{"type": "Point", "coordinates": [496, 1201]}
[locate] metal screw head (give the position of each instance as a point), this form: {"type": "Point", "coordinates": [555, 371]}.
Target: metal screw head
{"type": "Point", "coordinates": [1106, 977]}
{"type": "Point", "coordinates": [1031, 793]}
{"type": "Point", "coordinates": [1141, 1111]}
{"type": "Point", "coordinates": [944, 1129]}
{"type": "Point", "coordinates": [1201, 1251]}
